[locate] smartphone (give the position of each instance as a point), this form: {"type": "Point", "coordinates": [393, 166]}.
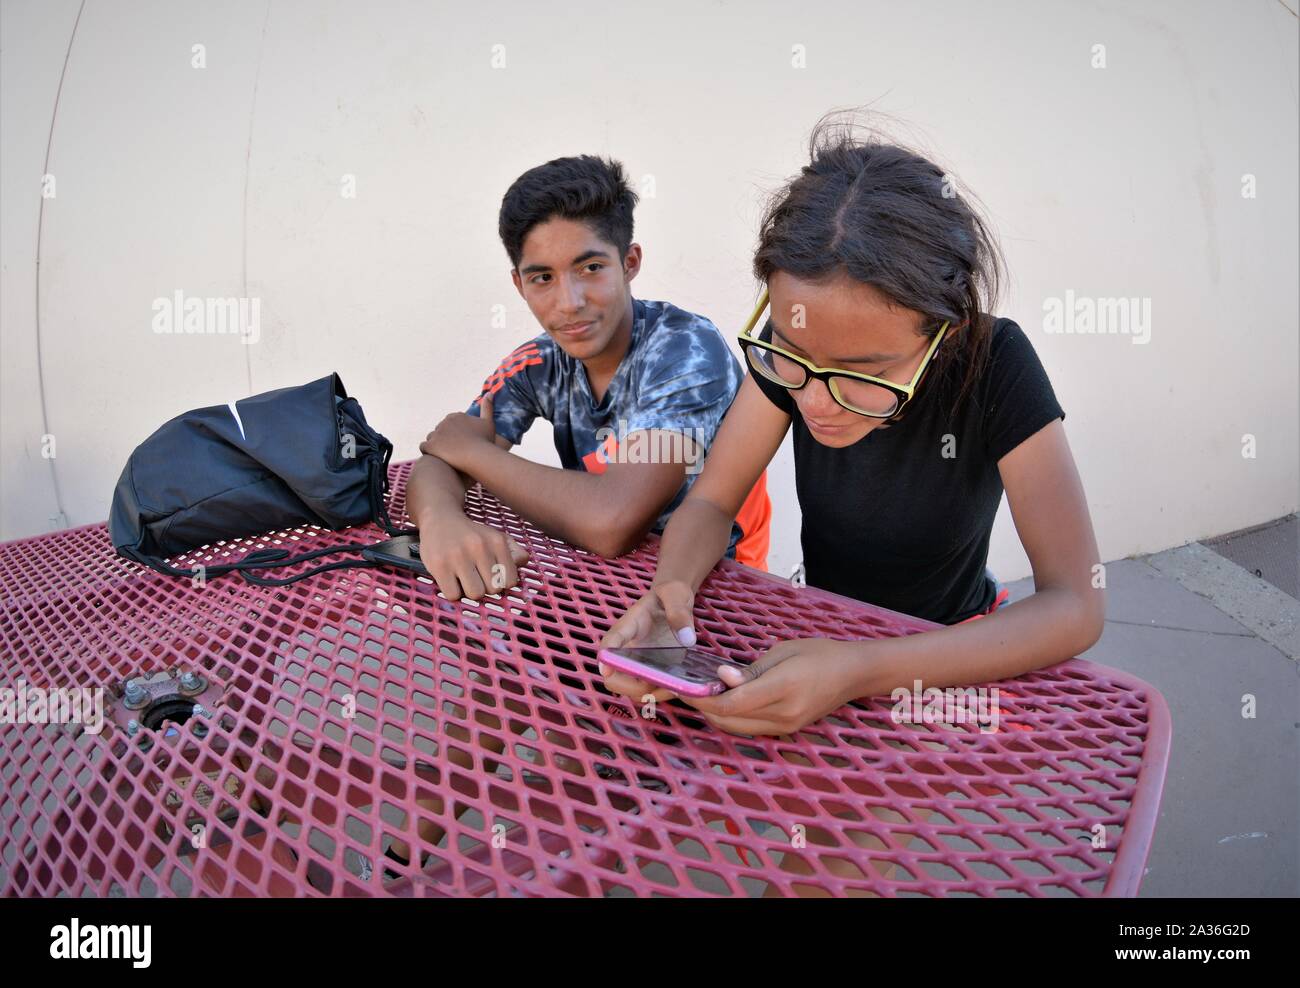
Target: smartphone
{"type": "Point", "coordinates": [683, 670]}
{"type": "Point", "coordinates": [403, 551]}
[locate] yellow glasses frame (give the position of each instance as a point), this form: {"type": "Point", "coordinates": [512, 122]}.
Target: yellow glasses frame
{"type": "Point", "coordinates": [905, 392]}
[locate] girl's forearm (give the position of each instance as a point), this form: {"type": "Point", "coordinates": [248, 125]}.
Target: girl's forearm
{"type": "Point", "coordinates": [694, 541]}
{"type": "Point", "coordinates": [1049, 627]}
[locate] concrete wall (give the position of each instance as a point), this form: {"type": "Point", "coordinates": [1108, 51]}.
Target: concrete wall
{"type": "Point", "coordinates": [1117, 181]}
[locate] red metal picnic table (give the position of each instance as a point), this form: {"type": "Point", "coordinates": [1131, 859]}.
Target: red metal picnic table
{"type": "Point", "coordinates": [358, 707]}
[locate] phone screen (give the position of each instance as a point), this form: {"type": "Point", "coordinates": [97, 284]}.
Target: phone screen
{"type": "Point", "coordinates": [669, 658]}
{"type": "Point", "coordinates": [691, 669]}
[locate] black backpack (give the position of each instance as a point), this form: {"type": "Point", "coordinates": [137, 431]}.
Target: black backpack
{"type": "Point", "coordinates": [276, 460]}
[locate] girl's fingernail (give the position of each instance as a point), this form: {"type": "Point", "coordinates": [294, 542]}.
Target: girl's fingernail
{"type": "Point", "coordinates": [686, 636]}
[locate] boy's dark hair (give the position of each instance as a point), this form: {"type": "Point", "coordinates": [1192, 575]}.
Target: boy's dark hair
{"type": "Point", "coordinates": [890, 218]}
{"type": "Point", "coordinates": [587, 188]}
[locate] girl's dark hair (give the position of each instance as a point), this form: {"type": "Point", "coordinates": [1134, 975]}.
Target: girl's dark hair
{"type": "Point", "coordinates": [587, 188]}
{"type": "Point", "coordinates": [890, 218]}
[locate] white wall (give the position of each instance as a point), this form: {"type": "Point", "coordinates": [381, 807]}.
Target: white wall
{"type": "Point", "coordinates": [224, 181]}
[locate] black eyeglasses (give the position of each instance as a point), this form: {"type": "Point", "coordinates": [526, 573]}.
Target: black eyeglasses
{"type": "Point", "coordinates": [861, 394]}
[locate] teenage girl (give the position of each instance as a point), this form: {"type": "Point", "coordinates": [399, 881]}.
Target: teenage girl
{"type": "Point", "coordinates": [913, 409]}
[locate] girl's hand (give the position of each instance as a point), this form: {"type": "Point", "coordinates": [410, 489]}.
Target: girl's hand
{"type": "Point", "coordinates": [794, 684]}
{"type": "Point", "coordinates": [662, 617]}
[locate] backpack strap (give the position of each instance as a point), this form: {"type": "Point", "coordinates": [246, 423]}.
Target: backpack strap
{"type": "Point", "coordinates": [378, 488]}
{"type": "Point", "coordinates": [265, 558]}
{"type": "Point", "coordinates": [261, 559]}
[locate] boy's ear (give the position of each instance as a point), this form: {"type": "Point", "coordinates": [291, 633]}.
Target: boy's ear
{"type": "Point", "coordinates": [632, 262]}
{"type": "Point", "coordinates": [518, 282]}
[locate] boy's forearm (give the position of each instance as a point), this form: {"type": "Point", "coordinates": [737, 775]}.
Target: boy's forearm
{"type": "Point", "coordinates": [568, 504]}
{"type": "Point", "coordinates": [434, 488]}
{"type": "Point", "coordinates": [694, 541]}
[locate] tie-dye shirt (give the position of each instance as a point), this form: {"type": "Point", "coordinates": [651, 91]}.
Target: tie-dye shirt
{"type": "Point", "coordinates": [678, 375]}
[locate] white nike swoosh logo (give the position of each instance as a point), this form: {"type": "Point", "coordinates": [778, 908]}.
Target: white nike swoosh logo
{"type": "Point", "coordinates": [235, 412]}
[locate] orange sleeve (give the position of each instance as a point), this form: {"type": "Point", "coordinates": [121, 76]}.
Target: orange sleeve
{"type": "Point", "coordinates": [755, 521]}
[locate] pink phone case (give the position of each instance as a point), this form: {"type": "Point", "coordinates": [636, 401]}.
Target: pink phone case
{"type": "Point", "coordinates": [693, 674]}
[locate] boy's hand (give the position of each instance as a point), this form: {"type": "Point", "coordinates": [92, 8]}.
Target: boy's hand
{"type": "Point", "coordinates": [468, 559]}
{"type": "Point", "coordinates": [459, 431]}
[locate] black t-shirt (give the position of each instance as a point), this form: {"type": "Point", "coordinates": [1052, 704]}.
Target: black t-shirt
{"type": "Point", "coordinates": [890, 520]}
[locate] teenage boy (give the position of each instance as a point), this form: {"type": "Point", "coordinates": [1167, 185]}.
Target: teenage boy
{"type": "Point", "coordinates": [635, 391]}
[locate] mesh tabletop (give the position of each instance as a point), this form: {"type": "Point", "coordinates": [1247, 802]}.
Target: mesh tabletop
{"type": "Point", "coordinates": [357, 707]}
